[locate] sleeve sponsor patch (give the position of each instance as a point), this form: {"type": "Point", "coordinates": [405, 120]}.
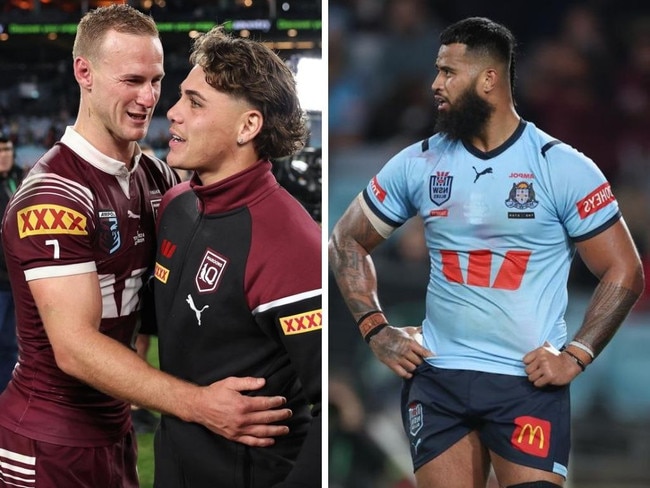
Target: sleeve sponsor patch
{"type": "Point", "coordinates": [377, 190]}
{"type": "Point", "coordinates": [161, 273]}
{"type": "Point", "coordinates": [596, 200]}
{"type": "Point", "coordinates": [302, 322]}
{"type": "Point", "coordinates": [50, 219]}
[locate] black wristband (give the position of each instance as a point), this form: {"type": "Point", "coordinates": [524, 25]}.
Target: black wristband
{"type": "Point", "coordinates": [371, 323]}
{"type": "Point", "coordinates": [582, 365]}
{"type": "Point", "coordinates": [366, 315]}
{"type": "Point", "coordinates": [374, 331]}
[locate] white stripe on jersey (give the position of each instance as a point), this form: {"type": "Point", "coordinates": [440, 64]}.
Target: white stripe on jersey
{"type": "Point", "coordinates": [53, 184]}
{"type": "Point", "coordinates": [14, 456]}
{"type": "Point", "coordinates": [56, 271]}
{"type": "Point", "coordinates": [284, 301]}
{"type": "Point", "coordinates": [17, 469]}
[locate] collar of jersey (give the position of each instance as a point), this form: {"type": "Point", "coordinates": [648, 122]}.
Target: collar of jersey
{"type": "Point", "coordinates": [94, 157]}
{"type": "Point", "coordinates": [236, 191]}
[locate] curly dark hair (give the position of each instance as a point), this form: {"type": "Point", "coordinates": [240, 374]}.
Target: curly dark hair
{"type": "Point", "coordinates": [249, 70]}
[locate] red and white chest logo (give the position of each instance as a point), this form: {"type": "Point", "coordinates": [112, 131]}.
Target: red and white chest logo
{"type": "Point", "coordinates": [210, 271]}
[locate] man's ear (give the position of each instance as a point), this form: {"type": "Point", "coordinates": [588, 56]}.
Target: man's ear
{"type": "Point", "coordinates": [251, 125]}
{"type": "Point", "coordinates": [83, 72]}
{"type": "Point", "coordinates": [490, 78]}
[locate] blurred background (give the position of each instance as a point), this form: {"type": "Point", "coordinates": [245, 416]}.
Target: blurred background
{"type": "Point", "coordinates": [583, 77]}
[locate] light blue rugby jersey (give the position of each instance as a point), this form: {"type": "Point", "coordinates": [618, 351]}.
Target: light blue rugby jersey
{"type": "Point", "coordinates": [500, 228]}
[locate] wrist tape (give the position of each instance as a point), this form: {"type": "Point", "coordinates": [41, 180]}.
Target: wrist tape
{"type": "Point", "coordinates": [371, 323]}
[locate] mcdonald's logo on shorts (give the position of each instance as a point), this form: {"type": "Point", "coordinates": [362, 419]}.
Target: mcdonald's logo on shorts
{"type": "Point", "coordinates": [532, 435]}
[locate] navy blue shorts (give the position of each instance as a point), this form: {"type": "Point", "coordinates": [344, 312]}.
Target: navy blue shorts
{"type": "Point", "coordinates": [524, 424]}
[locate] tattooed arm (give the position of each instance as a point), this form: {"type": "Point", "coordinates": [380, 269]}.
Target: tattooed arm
{"type": "Point", "coordinates": [612, 257]}
{"type": "Point", "coordinates": [353, 239]}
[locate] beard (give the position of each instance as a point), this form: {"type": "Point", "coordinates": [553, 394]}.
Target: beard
{"type": "Point", "coordinates": [466, 118]}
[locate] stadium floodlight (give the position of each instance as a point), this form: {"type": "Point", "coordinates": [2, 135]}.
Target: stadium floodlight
{"type": "Point", "coordinates": [311, 83]}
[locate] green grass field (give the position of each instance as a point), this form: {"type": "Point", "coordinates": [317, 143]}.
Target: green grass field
{"type": "Point", "coordinates": [145, 460]}
{"type": "Point", "coordinates": [145, 441]}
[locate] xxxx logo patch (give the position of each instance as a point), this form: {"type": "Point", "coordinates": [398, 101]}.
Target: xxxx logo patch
{"type": "Point", "coordinates": [50, 219]}
{"type": "Point", "coordinates": [161, 273]}
{"type": "Point", "coordinates": [303, 322]}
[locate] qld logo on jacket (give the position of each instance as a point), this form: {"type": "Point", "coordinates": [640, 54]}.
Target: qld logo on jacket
{"type": "Point", "coordinates": [440, 187]}
{"type": "Point", "coordinates": [210, 271]}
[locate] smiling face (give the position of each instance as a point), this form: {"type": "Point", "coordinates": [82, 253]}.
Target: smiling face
{"type": "Point", "coordinates": [210, 129]}
{"type": "Point", "coordinates": [120, 89]}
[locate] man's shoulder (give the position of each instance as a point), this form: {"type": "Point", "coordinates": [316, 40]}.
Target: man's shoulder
{"type": "Point", "coordinates": [156, 165]}
{"type": "Point", "coordinates": [419, 151]}
{"type": "Point", "coordinates": [59, 166]}
{"type": "Point", "coordinates": [546, 144]}
{"type": "Point", "coordinates": [61, 161]}
{"type": "Point", "coordinates": [170, 198]}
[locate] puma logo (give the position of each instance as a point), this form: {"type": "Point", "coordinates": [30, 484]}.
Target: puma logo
{"type": "Point", "coordinates": [484, 172]}
{"type": "Point", "coordinates": [197, 312]}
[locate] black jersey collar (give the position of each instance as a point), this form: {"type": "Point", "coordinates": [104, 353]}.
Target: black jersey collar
{"type": "Point", "coordinates": [496, 151]}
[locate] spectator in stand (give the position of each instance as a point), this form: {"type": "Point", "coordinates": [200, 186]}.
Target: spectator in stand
{"type": "Point", "coordinates": [348, 97]}
{"type": "Point", "coordinates": [401, 106]}
{"type": "Point", "coordinates": [562, 88]}
{"type": "Point", "coordinates": [10, 177]}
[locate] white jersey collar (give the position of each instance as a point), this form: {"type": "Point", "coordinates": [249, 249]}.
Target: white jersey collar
{"type": "Point", "coordinates": [99, 160]}
{"type": "Point", "coordinates": [96, 158]}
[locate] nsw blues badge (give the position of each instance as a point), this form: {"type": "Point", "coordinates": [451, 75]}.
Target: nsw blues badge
{"type": "Point", "coordinates": [440, 187]}
{"type": "Point", "coordinates": [416, 420]}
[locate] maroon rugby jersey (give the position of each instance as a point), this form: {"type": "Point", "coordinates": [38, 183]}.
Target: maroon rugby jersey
{"type": "Point", "coordinates": [77, 211]}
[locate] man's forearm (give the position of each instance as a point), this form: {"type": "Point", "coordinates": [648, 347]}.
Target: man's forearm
{"type": "Point", "coordinates": [355, 275]}
{"type": "Point", "coordinates": [609, 306]}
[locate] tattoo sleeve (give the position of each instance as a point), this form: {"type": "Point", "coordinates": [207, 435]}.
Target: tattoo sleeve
{"type": "Point", "coordinates": [353, 239]}
{"type": "Point", "coordinates": [607, 309]}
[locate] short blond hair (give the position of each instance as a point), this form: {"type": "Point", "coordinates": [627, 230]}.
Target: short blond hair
{"type": "Point", "coordinates": [120, 17]}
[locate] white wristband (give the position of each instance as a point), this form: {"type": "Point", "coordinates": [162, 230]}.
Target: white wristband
{"type": "Point", "coordinates": [580, 345]}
